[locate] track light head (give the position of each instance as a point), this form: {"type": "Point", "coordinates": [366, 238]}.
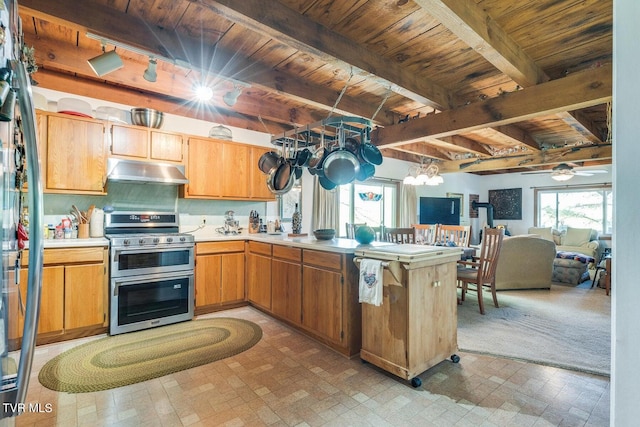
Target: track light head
{"type": "Point", "coordinates": [106, 62]}
{"type": "Point", "coordinates": [230, 98]}
{"type": "Point", "coordinates": [150, 73]}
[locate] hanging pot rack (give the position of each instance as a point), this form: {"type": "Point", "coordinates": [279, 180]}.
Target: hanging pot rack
{"type": "Point", "coordinates": [328, 130]}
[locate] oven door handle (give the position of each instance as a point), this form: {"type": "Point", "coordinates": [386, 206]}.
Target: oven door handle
{"type": "Point", "coordinates": [143, 279]}
{"type": "Point", "coordinates": [118, 252]}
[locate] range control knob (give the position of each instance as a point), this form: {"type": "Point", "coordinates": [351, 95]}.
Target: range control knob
{"type": "Point", "coordinates": [126, 242]}
{"type": "Point", "coordinates": [156, 240]}
{"type": "Point", "coordinates": [141, 241]}
{"type": "Point", "coordinates": [169, 239]}
{"type": "Point", "coordinates": [182, 238]}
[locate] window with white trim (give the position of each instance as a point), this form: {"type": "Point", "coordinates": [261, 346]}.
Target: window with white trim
{"type": "Point", "coordinates": [576, 206]}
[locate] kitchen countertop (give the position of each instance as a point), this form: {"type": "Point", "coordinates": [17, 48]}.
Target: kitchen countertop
{"type": "Point", "coordinates": [72, 243]}
{"type": "Point", "coordinates": [209, 234]}
{"type": "Point", "coordinates": [338, 245]}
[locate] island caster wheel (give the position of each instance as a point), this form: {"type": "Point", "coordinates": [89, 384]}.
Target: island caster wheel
{"type": "Point", "coordinates": [455, 358]}
{"type": "Point", "coordinates": [416, 382]}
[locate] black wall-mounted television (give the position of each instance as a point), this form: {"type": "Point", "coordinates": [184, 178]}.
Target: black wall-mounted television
{"type": "Point", "coordinates": [440, 210]}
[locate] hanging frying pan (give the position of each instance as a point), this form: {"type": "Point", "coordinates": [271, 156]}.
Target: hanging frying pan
{"type": "Point", "coordinates": [341, 165]}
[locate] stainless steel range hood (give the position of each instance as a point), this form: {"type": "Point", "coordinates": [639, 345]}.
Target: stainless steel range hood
{"type": "Point", "coordinates": [144, 172]}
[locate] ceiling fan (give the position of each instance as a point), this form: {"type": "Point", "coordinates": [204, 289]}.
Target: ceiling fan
{"type": "Point", "coordinates": [564, 172]}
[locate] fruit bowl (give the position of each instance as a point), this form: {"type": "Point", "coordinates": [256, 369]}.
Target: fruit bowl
{"type": "Point", "coordinates": [324, 233]}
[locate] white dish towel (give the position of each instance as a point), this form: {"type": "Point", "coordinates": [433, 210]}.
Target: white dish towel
{"type": "Point", "coordinates": [371, 281]}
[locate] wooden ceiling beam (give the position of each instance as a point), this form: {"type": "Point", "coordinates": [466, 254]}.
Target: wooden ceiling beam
{"type": "Point", "coordinates": [94, 89]}
{"type": "Point", "coordinates": [579, 90]}
{"type": "Point", "coordinates": [401, 155]}
{"type": "Point", "coordinates": [273, 19]}
{"type": "Point", "coordinates": [89, 16]}
{"type": "Point", "coordinates": [518, 136]}
{"type": "Point", "coordinates": [53, 55]}
{"type": "Point", "coordinates": [467, 20]}
{"type": "Point", "coordinates": [548, 157]}
{"type": "Point", "coordinates": [423, 150]}
{"type": "Point", "coordinates": [460, 142]}
{"type": "Point", "coordinates": [583, 125]}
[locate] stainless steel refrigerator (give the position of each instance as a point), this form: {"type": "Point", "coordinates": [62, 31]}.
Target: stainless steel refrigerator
{"type": "Point", "coordinates": [20, 219]}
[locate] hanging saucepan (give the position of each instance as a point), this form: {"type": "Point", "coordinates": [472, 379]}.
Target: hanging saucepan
{"type": "Point", "coordinates": [367, 170]}
{"type": "Point", "coordinates": [314, 162]}
{"type": "Point", "coordinates": [303, 156]}
{"type": "Point", "coordinates": [287, 187]}
{"type": "Point", "coordinates": [268, 161]}
{"type": "Point", "coordinates": [341, 165]}
{"type": "Point", "coordinates": [326, 183]}
{"type": "Point", "coordinates": [352, 145]}
{"type": "Point", "coordinates": [280, 176]}
{"type": "Point", "coordinates": [369, 152]}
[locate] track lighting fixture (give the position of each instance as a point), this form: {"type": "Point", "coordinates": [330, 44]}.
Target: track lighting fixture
{"type": "Point", "coordinates": [106, 62]}
{"type": "Point", "coordinates": [150, 74]}
{"type": "Point", "coordinates": [230, 98]}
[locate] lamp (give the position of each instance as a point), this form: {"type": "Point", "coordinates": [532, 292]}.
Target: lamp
{"type": "Point", "coordinates": [230, 98]}
{"type": "Point", "coordinates": [106, 62]}
{"type": "Point", "coordinates": [423, 175]}
{"type": "Point", "coordinates": [150, 73]}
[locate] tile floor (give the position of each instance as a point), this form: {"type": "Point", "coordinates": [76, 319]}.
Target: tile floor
{"type": "Point", "coordinates": [290, 380]}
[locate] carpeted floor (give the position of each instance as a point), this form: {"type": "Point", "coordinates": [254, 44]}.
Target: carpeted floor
{"type": "Point", "coordinates": [568, 327]}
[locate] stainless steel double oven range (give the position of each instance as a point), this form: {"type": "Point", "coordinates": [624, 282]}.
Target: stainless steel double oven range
{"type": "Point", "coordinates": [151, 270]}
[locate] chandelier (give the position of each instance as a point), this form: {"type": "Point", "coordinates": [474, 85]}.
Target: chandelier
{"type": "Point", "coordinates": [423, 175]}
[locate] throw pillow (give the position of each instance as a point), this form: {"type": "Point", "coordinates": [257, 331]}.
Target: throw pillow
{"type": "Point", "coordinates": [577, 236]}
{"type": "Point", "coordinates": [544, 233]}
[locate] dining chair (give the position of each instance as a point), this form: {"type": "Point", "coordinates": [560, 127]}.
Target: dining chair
{"type": "Point", "coordinates": [399, 235]}
{"type": "Point", "coordinates": [480, 272]}
{"type": "Point", "coordinates": [351, 229]}
{"type": "Point", "coordinates": [458, 234]}
{"type": "Point", "coordinates": [425, 234]}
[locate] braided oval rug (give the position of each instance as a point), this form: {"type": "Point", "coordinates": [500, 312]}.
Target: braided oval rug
{"type": "Point", "coordinates": [125, 359]}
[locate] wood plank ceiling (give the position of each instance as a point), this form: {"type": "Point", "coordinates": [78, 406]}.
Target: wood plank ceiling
{"type": "Point", "coordinates": [484, 86]}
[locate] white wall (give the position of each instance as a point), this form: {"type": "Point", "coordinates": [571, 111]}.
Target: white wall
{"type": "Point", "coordinates": [625, 370]}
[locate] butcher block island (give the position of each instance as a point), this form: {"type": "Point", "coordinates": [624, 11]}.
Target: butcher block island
{"type": "Point", "coordinates": [415, 327]}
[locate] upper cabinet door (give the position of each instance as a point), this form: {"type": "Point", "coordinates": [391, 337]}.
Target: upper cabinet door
{"type": "Point", "coordinates": [166, 146]}
{"type": "Point", "coordinates": [76, 156]}
{"type": "Point", "coordinates": [129, 142]}
{"type": "Point", "coordinates": [235, 170]}
{"type": "Point", "coordinates": [204, 168]}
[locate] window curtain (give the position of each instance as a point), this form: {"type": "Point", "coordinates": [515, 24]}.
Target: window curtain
{"type": "Point", "coordinates": [408, 205]}
{"type": "Point", "coordinates": [325, 207]}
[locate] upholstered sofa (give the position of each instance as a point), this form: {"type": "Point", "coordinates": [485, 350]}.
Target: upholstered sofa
{"type": "Point", "coordinates": [578, 240]}
{"type": "Point", "coordinates": [577, 248]}
{"type": "Point", "coordinates": [525, 262]}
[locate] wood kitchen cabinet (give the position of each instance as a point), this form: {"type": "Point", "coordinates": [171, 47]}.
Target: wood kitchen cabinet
{"type": "Point", "coordinates": [259, 274]}
{"type": "Point", "coordinates": [75, 160]}
{"type": "Point", "coordinates": [286, 283]}
{"type": "Point", "coordinates": [219, 169]}
{"type": "Point", "coordinates": [74, 293]}
{"type": "Point", "coordinates": [51, 317]}
{"type": "Point", "coordinates": [145, 144]}
{"type": "Point", "coordinates": [322, 302]}
{"type": "Point", "coordinates": [314, 291]}
{"type": "Point", "coordinates": [219, 275]}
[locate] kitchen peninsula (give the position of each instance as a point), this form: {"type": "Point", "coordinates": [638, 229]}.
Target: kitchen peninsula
{"type": "Point", "coordinates": [310, 284]}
